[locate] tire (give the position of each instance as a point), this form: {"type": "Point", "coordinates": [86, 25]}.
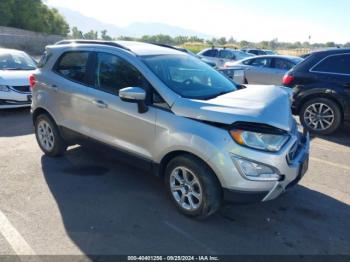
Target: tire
{"type": "Point", "coordinates": [204, 182]}
{"type": "Point", "coordinates": [329, 108]}
{"type": "Point", "coordinates": [48, 136]}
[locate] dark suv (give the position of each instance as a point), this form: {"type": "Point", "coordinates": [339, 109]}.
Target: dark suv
{"type": "Point", "coordinates": [321, 95]}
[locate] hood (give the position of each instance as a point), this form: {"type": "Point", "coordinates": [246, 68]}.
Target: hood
{"type": "Point", "coordinates": [15, 78]}
{"type": "Point", "coordinates": [257, 104]}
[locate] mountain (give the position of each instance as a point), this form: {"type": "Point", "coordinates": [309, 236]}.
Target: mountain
{"type": "Point", "coordinates": [137, 29]}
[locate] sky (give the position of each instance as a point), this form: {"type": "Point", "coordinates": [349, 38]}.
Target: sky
{"type": "Point", "coordinates": [252, 20]}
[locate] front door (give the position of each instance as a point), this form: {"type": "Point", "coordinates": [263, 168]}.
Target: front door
{"type": "Point", "coordinates": [112, 120]}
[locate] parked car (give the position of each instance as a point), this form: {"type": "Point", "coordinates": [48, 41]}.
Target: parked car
{"type": "Point", "coordinates": [322, 90]}
{"type": "Point", "coordinates": [269, 52]}
{"type": "Point", "coordinates": [15, 69]}
{"type": "Point", "coordinates": [265, 70]}
{"type": "Point", "coordinates": [220, 56]}
{"type": "Point", "coordinates": [204, 135]}
{"type": "Point", "coordinates": [205, 60]}
{"type": "Point", "coordinates": [254, 51]}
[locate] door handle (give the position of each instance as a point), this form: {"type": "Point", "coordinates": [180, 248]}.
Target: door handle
{"type": "Point", "coordinates": [99, 103]}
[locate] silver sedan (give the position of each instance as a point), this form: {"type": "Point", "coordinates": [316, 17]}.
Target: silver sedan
{"type": "Point", "coordinates": [265, 70]}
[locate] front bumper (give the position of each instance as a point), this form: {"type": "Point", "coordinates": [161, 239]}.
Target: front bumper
{"type": "Point", "coordinates": [292, 169]}
{"type": "Point", "coordinates": [15, 99]}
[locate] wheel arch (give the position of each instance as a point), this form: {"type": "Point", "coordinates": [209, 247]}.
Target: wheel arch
{"type": "Point", "coordinates": [308, 97]}
{"type": "Point", "coordinates": [40, 110]}
{"type": "Point", "coordinates": [171, 155]}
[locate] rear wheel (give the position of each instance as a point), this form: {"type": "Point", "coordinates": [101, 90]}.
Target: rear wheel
{"type": "Point", "coordinates": [192, 186]}
{"type": "Point", "coordinates": [321, 116]}
{"type": "Point", "coordinates": [48, 136]}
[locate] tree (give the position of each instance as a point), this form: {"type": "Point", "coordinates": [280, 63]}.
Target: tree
{"type": "Point", "coordinates": [347, 44]}
{"type": "Point", "coordinates": [243, 43]}
{"type": "Point", "coordinates": [222, 41]}
{"type": "Point", "coordinates": [76, 33]}
{"type": "Point", "coordinates": [91, 35]}
{"type": "Point", "coordinates": [104, 36]}
{"type": "Point", "coordinates": [6, 14]}
{"type": "Point", "coordinates": [32, 15]}
{"type": "Point", "coordinates": [330, 44]}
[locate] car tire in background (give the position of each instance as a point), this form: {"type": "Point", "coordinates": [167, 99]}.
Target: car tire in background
{"type": "Point", "coordinates": [192, 186]}
{"type": "Point", "coordinates": [321, 116]}
{"type": "Point", "coordinates": [48, 136]}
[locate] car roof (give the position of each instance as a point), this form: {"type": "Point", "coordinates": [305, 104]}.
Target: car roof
{"type": "Point", "coordinates": [138, 48]}
{"type": "Point", "coordinates": [275, 56]}
{"type": "Point", "coordinates": [333, 51]}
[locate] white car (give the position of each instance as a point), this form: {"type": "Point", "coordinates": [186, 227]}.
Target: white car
{"type": "Point", "coordinates": [15, 69]}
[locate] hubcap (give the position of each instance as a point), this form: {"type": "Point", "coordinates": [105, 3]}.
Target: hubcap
{"type": "Point", "coordinates": [45, 135]}
{"type": "Point", "coordinates": [185, 188]}
{"type": "Point", "coordinates": [319, 116]}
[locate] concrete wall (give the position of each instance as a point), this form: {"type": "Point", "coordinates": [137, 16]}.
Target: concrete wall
{"type": "Point", "coordinates": [31, 42]}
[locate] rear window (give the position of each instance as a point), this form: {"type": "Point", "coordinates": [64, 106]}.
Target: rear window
{"type": "Point", "coordinates": [73, 65]}
{"type": "Point", "coordinates": [43, 60]}
{"type": "Point", "coordinates": [338, 64]}
{"type": "Point", "coordinates": [211, 53]}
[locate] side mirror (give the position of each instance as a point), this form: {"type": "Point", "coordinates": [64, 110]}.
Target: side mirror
{"type": "Point", "coordinates": [134, 95]}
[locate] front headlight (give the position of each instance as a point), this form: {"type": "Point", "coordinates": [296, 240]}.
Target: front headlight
{"type": "Point", "coordinates": [4, 88]}
{"type": "Point", "coordinates": [261, 141]}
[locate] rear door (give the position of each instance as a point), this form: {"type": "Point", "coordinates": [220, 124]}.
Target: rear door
{"type": "Point", "coordinates": [70, 91]}
{"type": "Point", "coordinates": [259, 71]}
{"type": "Point", "coordinates": [280, 67]}
{"type": "Point", "coordinates": [112, 120]}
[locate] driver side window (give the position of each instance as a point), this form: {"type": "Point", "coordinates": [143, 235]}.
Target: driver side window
{"type": "Point", "coordinates": [261, 62]}
{"type": "Point", "coordinates": [113, 73]}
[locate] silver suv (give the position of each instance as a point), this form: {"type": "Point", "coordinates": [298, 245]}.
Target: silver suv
{"type": "Point", "coordinates": [207, 137]}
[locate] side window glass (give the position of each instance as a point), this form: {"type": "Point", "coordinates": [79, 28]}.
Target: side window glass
{"type": "Point", "coordinates": [73, 65]}
{"type": "Point", "coordinates": [211, 53]}
{"type": "Point", "coordinates": [335, 64]}
{"type": "Point", "coordinates": [261, 62]}
{"type": "Point", "coordinates": [283, 64]}
{"type": "Point", "coordinates": [226, 54]}
{"type": "Point", "coordinates": [113, 73]}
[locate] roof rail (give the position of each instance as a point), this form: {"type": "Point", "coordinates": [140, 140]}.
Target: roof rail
{"type": "Point", "coordinates": [171, 47]}
{"type": "Point", "coordinates": [99, 42]}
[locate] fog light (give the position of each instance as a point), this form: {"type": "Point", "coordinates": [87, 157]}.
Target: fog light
{"type": "Point", "coordinates": [255, 171]}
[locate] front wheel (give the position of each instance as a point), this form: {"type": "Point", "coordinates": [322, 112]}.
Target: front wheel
{"type": "Point", "coordinates": [321, 116]}
{"type": "Point", "coordinates": [192, 186]}
{"type": "Point", "coordinates": [48, 136]}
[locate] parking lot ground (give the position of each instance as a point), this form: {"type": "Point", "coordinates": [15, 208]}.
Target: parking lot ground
{"type": "Point", "coordinates": [92, 201]}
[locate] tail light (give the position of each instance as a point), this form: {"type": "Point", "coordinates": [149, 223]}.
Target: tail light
{"type": "Point", "coordinates": [32, 82]}
{"type": "Point", "coordinates": [287, 80]}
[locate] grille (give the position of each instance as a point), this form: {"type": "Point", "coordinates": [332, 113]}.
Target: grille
{"type": "Point", "coordinates": [23, 89]}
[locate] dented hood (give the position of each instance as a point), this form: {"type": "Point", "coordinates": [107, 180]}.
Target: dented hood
{"type": "Point", "coordinates": [257, 103]}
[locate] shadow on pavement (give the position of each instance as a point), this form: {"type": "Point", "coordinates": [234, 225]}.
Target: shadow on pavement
{"type": "Point", "coordinates": [110, 207]}
{"type": "Point", "coordinates": [341, 137]}
{"type": "Point", "coordinates": [15, 122]}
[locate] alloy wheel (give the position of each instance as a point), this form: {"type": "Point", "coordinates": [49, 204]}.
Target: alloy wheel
{"type": "Point", "coordinates": [45, 135]}
{"type": "Point", "coordinates": [319, 116]}
{"type": "Point", "coordinates": [186, 188]}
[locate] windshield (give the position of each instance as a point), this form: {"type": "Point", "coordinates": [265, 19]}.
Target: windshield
{"type": "Point", "coordinates": [188, 76]}
{"type": "Point", "coordinates": [16, 61]}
